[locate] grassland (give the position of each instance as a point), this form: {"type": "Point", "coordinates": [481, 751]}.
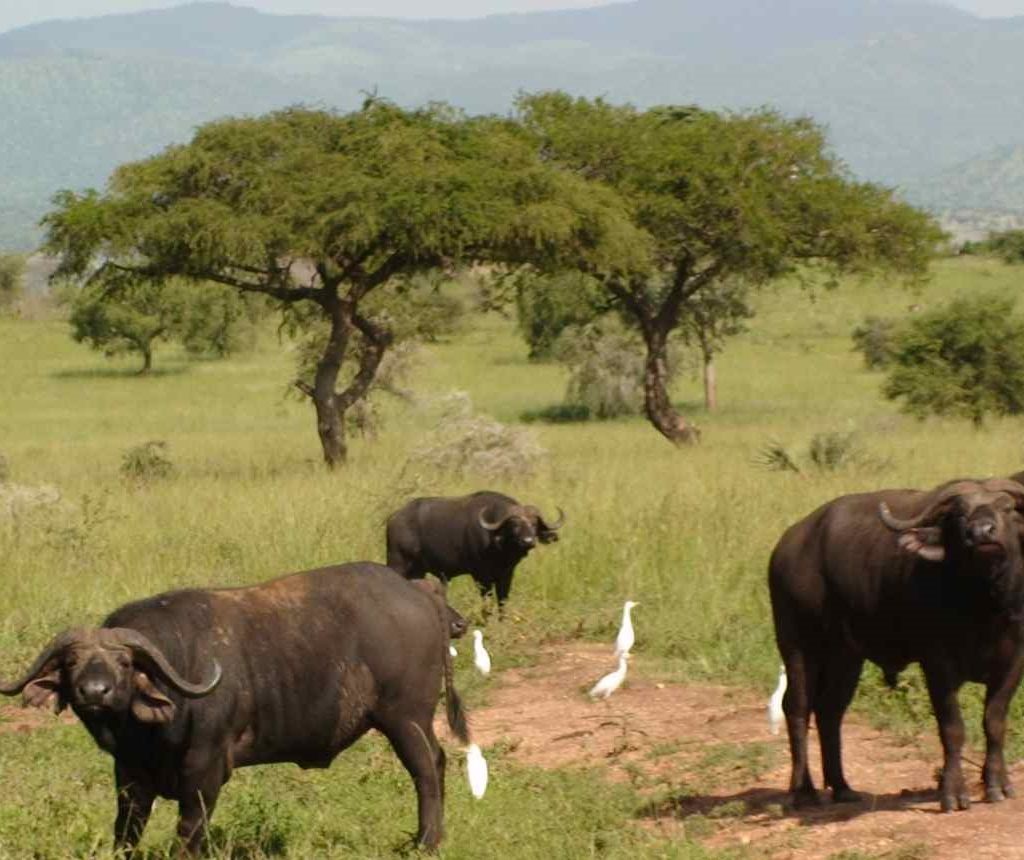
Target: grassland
{"type": "Point", "coordinates": [687, 533]}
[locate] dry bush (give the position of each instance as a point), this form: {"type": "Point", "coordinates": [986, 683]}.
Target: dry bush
{"type": "Point", "coordinates": [464, 442]}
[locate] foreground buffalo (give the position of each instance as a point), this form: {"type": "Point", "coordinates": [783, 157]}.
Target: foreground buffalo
{"type": "Point", "coordinates": [483, 534]}
{"type": "Point", "coordinates": [898, 577]}
{"type": "Point", "coordinates": [293, 670]}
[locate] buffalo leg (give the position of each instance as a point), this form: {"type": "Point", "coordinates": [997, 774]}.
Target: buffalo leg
{"type": "Point", "coordinates": [942, 691]}
{"type": "Point", "coordinates": [416, 746]}
{"type": "Point", "coordinates": [835, 689]}
{"type": "Point", "coordinates": [200, 786]}
{"type": "Point", "coordinates": [997, 701]}
{"type": "Point", "coordinates": [134, 804]}
{"type": "Point", "coordinates": [796, 704]}
{"type": "Point", "coordinates": [502, 587]}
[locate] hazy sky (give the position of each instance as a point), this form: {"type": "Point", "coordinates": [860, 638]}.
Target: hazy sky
{"type": "Point", "coordinates": [14, 13]}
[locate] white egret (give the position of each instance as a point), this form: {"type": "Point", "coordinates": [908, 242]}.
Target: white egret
{"type": "Point", "coordinates": [476, 771]}
{"type": "Point", "coordinates": [775, 714]}
{"type": "Point", "coordinates": [610, 682]}
{"type": "Point", "coordinates": [452, 651]}
{"type": "Point", "coordinates": [481, 659]}
{"type": "Point", "coordinates": [624, 641]}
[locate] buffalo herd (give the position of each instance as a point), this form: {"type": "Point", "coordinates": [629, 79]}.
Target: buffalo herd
{"type": "Point", "coordinates": [183, 687]}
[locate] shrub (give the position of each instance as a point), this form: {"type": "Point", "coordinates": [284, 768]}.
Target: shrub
{"type": "Point", "coordinates": [966, 360]}
{"type": "Point", "coordinates": [547, 305]}
{"type": "Point", "coordinates": [146, 462]}
{"type": "Point", "coordinates": [1007, 245]}
{"type": "Point", "coordinates": [830, 451]}
{"type": "Point", "coordinates": [873, 340]}
{"type": "Point", "coordinates": [606, 369]}
{"type": "Point", "coordinates": [464, 442]}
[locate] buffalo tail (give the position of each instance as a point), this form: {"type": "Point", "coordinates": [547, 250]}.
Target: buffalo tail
{"type": "Point", "coordinates": [456, 712]}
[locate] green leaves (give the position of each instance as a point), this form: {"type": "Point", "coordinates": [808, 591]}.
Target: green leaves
{"type": "Point", "coordinates": [964, 360]}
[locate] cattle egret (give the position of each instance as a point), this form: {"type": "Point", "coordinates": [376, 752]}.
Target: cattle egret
{"type": "Point", "coordinates": [476, 770]}
{"type": "Point", "coordinates": [624, 641]}
{"type": "Point", "coordinates": [775, 715]}
{"type": "Point", "coordinates": [481, 659]}
{"type": "Point", "coordinates": [452, 651]}
{"type": "Point", "coordinates": [610, 682]}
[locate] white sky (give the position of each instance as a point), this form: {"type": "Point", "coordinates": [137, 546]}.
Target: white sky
{"type": "Point", "coordinates": [15, 13]}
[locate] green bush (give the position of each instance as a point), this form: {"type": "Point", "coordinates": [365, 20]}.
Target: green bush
{"type": "Point", "coordinates": [965, 359]}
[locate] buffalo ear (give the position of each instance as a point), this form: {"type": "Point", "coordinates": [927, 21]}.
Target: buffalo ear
{"type": "Point", "coordinates": [149, 705]}
{"type": "Point", "coordinates": [43, 691]}
{"type": "Point", "coordinates": [925, 543]}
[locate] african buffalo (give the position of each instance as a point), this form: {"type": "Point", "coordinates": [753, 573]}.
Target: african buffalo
{"type": "Point", "coordinates": [483, 534]}
{"type": "Point", "coordinates": [293, 670]}
{"type": "Point", "coordinates": [942, 584]}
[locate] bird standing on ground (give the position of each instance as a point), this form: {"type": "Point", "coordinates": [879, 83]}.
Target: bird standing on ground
{"type": "Point", "coordinates": [624, 641]}
{"type": "Point", "coordinates": [453, 651]}
{"type": "Point", "coordinates": [481, 659]}
{"type": "Point", "coordinates": [610, 682]}
{"type": "Point", "coordinates": [476, 771]}
{"type": "Point", "coordinates": [775, 714]}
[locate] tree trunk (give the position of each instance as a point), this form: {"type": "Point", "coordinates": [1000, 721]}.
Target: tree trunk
{"type": "Point", "coordinates": [147, 358]}
{"type": "Point", "coordinates": [657, 405]}
{"type": "Point", "coordinates": [330, 425]}
{"type": "Point", "coordinates": [710, 383]}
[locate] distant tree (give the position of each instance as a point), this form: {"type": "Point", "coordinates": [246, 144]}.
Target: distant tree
{"type": "Point", "coordinates": [965, 359]}
{"type": "Point", "coordinates": [548, 304]}
{"type": "Point", "coordinates": [726, 204]}
{"type": "Point", "coordinates": [318, 210]}
{"type": "Point", "coordinates": [12, 273]}
{"type": "Point", "coordinates": [1008, 245]}
{"type": "Point", "coordinates": [127, 314]}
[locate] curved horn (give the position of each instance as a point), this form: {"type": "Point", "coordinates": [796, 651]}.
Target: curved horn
{"type": "Point", "coordinates": [59, 643]}
{"type": "Point", "coordinates": [557, 524]}
{"type": "Point", "coordinates": [140, 644]}
{"type": "Point", "coordinates": [492, 526]}
{"type": "Point", "coordinates": [1008, 486]}
{"type": "Point", "coordinates": [937, 499]}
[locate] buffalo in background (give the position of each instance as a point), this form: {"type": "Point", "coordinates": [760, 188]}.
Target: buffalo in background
{"type": "Point", "coordinates": [484, 534]}
{"type": "Point", "coordinates": [939, 582]}
{"type": "Point", "coordinates": [295, 670]}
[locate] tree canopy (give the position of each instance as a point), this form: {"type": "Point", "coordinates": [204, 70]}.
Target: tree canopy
{"type": "Point", "coordinates": [316, 209]}
{"type": "Point", "coordinates": [726, 203]}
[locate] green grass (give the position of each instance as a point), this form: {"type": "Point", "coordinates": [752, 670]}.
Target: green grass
{"type": "Point", "coordinates": [687, 533]}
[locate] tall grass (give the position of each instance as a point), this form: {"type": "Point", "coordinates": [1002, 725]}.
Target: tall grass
{"type": "Point", "coordinates": [686, 532]}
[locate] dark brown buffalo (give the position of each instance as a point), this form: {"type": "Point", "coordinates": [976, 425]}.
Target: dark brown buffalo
{"type": "Point", "coordinates": [484, 534]}
{"type": "Point", "coordinates": [293, 670]}
{"type": "Point", "coordinates": [900, 577]}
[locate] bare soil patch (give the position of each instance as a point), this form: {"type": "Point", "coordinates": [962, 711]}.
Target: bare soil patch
{"type": "Point", "coordinates": [705, 758]}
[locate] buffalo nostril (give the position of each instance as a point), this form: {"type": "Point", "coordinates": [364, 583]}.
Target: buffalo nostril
{"type": "Point", "coordinates": [93, 690]}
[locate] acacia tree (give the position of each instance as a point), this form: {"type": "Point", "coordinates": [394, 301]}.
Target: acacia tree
{"type": "Point", "coordinates": [317, 210]}
{"type": "Point", "coordinates": [723, 199]}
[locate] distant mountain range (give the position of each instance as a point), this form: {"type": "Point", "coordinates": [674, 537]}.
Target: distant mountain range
{"type": "Point", "coordinates": [914, 94]}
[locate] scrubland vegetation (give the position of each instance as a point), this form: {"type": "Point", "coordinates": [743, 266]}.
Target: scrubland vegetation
{"type": "Point", "coordinates": [686, 532]}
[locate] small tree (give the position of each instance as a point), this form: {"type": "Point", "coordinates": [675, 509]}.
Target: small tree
{"type": "Point", "coordinates": [1008, 245]}
{"type": "Point", "coordinates": [127, 314]}
{"type": "Point", "coordinates": [12, 273]}
{"type": "Point", "coordinates": [873, 339]}
{"type": "Point", "coordinates": [966, 359]}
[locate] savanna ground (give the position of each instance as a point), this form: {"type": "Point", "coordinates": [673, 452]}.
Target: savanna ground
{"type": "Point", "coordinates": [679, 764]}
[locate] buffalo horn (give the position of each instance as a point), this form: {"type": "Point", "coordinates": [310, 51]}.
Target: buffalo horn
{"type": "Point", "coordinates": [1008, 486]}
{"type": "Point", "coordinates": [59, 643]}
{"type": "Point", "coordinates": [557, 524]}
{"type": "Point", "coordinates": [938, 498]}
{"type": "Point", "coordinates": [141, 645]}
{"type": "Point", "coordinates": [492, 527]}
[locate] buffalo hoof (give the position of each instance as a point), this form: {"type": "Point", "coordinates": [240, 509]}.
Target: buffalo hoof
{"type": "Point", "coordinates": [846, 795]}
{"type": "Point", "coordinates": [1009, 792]}
{"type": "Point", "coordinates": [994, 794]}
{"type": "Point", "coordinates": [953, 804]}
{"type": "Point", "coordinates": [804, 798]}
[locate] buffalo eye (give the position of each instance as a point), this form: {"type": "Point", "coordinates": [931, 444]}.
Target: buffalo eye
{"type": "Point", "coordinates": [124, 661]}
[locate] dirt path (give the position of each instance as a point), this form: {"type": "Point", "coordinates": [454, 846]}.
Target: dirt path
{"type": "Point", "coordinates": [704, 756]}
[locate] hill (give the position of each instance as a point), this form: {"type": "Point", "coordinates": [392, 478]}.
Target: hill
{"type": "Point", "coordinates": [907, 89]}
